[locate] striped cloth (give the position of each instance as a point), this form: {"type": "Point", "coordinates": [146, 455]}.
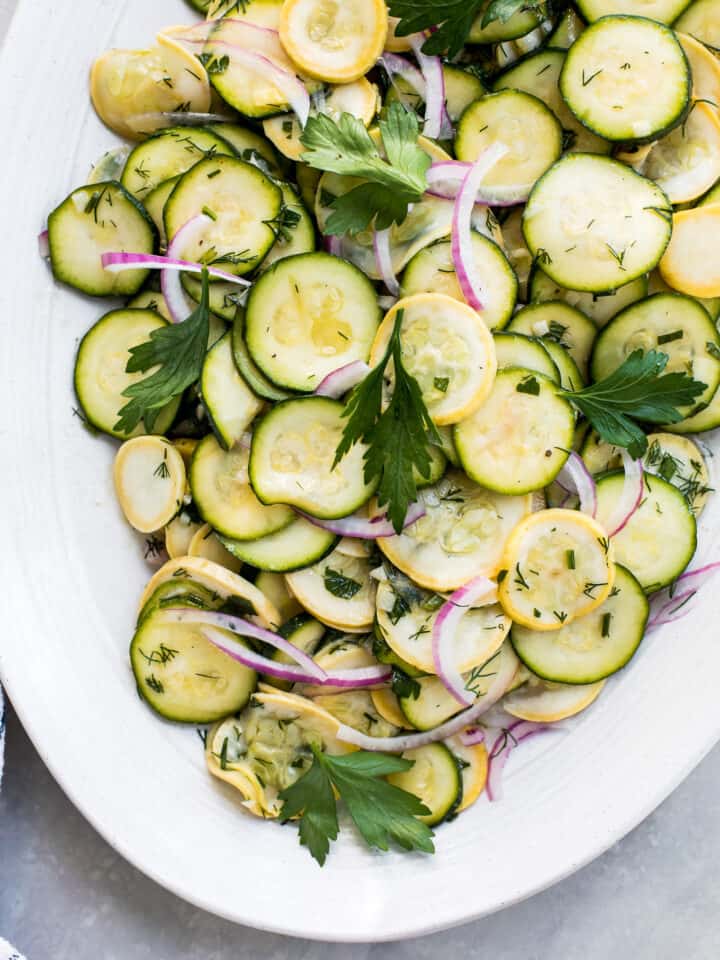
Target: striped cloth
{"type": "Point", "coordinates": [6, 951]}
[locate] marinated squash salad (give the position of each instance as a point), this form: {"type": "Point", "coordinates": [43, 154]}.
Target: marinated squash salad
{"type": "Point", "coordinates": [413, 330]}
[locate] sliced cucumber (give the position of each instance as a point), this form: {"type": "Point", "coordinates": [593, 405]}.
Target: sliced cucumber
{"type": "Point", "coordinates": [250, 147]}
{"type": "Point", "coordinates": [673, 324]}
{"type": "Point", "coordinates": [307, 316]}
{"type": "Point", "coordinates": [659, 539]}
{"type": "Point", "coordinates": [150, 300]}
{"type": "Point", "coordinates": [522, 122]}
{"type": "Point", "coordinates": [656, 284]}
{"type": "Point", "coordinates": [293, 451]}
{"type": "Point", "coordinates": [307, 180]}
{"type": "Point", "coordinates": [518, 350]}
{"type": "Point", "coordinates": [701, 21]}
{"type": "Point", "coordinates": [517, 25]}
{"type": "Point", "coordinates": [434, 778]}
{"type": "Point", "coordinates": [154, 202]}
{"type": "Point", "coordinates": [518, 440]}
{"type": "Point", "coordinates": [627, 78]}
{"type": "Point", "coordinates": [663, 10]}
{"type": "Point", "coordinates": [600, 307]}
{"type": "Point", "coordinates": [180, 593]}
{"type": "Point", "coordinates": [568, 29]}
{"type": "Point", "coordinates": [595, 224]}
{"type": "Point", "coordinates": [304, 633]}
{"type": "Point", "coordinates": [432, 270]}
{"type": "Point", "coordinates": [183, 676]}
{"type": "Point", "coordinates": [296, 546]}
{"type": "Point", "coordinates": [338, 590]}
{"type": "Point", "coordinates": [230, 403]}
{"type": "Point", "coordinates": [245, 364]}
{"type": "Point", "coordinates": [561, 323]}
{"type": "Point", "coordinates": [225, 298]}
{"type": "Point", "coordinates": [570, 376]}
{"type": "Point", "coordinates": [149, 476]}
{"type": "Point", "coordinates": [461, 89]}
{"type": "Point", "coordinates": [224, 498]}
{"type": "Point", "coordinates": [707, 419]}
{"type": "Point", "coordinates": [167, 154]}
{"type": "Point", "coordinates": [539, 75]}
{"type": "Point", "coordinates": [241, 201]}
{"type": "Point", "coordinates": [93, 220]}
{"type": "Point", "coordinates": [296, 232]}
{"type": "Point", "coordinates": [100, 376]}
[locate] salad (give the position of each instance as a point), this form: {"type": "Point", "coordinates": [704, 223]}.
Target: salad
{"type": "Point", "coordinates": [413, 327]}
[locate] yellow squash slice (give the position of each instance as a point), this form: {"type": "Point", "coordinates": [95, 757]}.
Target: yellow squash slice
{"type": "Point", "coordinates": [691, 263]}
{"type": "Point", "coordinates": [542, 701]}
{"type": "Point", "coordinates": [149, 476]}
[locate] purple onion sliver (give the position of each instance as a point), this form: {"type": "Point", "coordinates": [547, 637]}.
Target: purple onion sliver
{"type": "Point", "coordinates": [383, 261]}
{"type": "Point", "coordinates": [472, 736]}
{"type": "Point", "coordinates": [501, 750]}
{"type": "Point", "coordinates": [630, 496]}
{"type": "Point", "coordinates": [342, 380]}
{"type": "Point", "coordinates": [44, 244]}
{"type": "Point", "coordinates": [432, 71]}
{"type": "Point", "coordinates": [361, 528]}
{"type": "Point", "coordinates": [116, 262]}
{"type": "Point", "coordinates": [576, 478]}
{"type": "Point", "coordinates": [396, 66]}
{"type": "Point", "coordinates": [177, 301]}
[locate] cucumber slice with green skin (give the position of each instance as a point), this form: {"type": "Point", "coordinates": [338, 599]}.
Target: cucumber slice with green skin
{"type": "Point", "coordinates": [183, 676]}
{"type": "Point", "coordinates": [656, 284]}
{"type": "Point", "coordinates": [154, 202]}
{"type": "Point", "coordinates": [230, 403]}
{"type": "Point", "coordinates": [627, 79]}
{"type": "Point", "coordinates": [673, 324]}
{"type": "Point", "coordinates": [224, 498]}
{"type": "Point", "coordinates": [701, 20]}
{"type": "Point", "coordinates": [241, 201]}
{"type": "Point", "coordinates": [303, 632]}
{"type": "Point", "coordinates": [438, 466]}
{"type": "Point", "coordinates": [595, 224]}
{"type": "Point", "coordinates": [100, 376]}
{"type": "Point", "coordinates": [93, 220]}
{"type": "Point", "coordinates": [307, 180]}
{"type": "Point", "coordinates": [517, 25]}
{"type": "Point", "coordinates": [356, 709]}
{"type": "Point", "coordinates": [292, 456]}
{"type": "Point", "coordinates": [245, 364]}
{"type": "Point", "coordinates": [180, 593]}
{"type": "Point", "coordinates": [659, 539]}
{"type": "Point", "coordinates": [384, 653]}
{"type": "Point", "coordinates": [250, 147]}
{"type": "Point", "coordinates": [518, 350]}
{"type": "Point", "coordinates": [516, 249]}
{"type": "Point", "coordinates": [599, 307]}
{"type": "Point", "coordinates": [594, 646]}
{"type": "Point", "coordinates": [570, 376]}
{"type": "Point", "coordinates": [539, 75]}
{"type": "Point", "coordinates": [521, 121]}
{"type": "Point", "coordinates": [297, 235]}
{"type": "Point", "coordinates": [225, 298]}
{"type": "Point", "coordinates": [435, 779]}
{"type": "Point", "coordinates": [150, 300]}
{"type": "Point", "coordinates": [561, 323]}
{"type": "Point", "coordinates": [167, 154]}
{"type": "Point", "coordinates": [307, 316]}
{"type": "Point", "coordinates": [568, 29]}
{"type": "Point", "coordinates": [707, 419]}
{"type": "Point", "coordinates": [666, 11]}
{"type": "Point", "coordinates": [518, 440]}
{"type": "Point", "coordinates": [296, 546]}
{"type": "Point", "coordinates": [432, 270]}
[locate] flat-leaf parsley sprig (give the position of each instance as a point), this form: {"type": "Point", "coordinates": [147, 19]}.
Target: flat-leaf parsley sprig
{"type": "Point", "coordinates": [398, 438]}
{"type": "Point", "coordinates": [383, 813]}
{"type": "Point", "coordinates": [346, 148]}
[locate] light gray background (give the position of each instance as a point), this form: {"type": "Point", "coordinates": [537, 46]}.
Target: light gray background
{"type": "Point", "coordinates": [65, 895]}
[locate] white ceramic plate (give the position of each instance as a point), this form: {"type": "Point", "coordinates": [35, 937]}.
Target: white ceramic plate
{"type": "Point", "coordinates": [72, 572]}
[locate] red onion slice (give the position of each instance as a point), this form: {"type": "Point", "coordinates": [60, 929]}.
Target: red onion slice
{"type": "Point", "coordinates": [383, 259]}
{"type": "Point", "coordinates": [357, 677]}
{"type": "Point", "coordinates": [396, 66]}
{"type": "Point", "coordinates": [445, 178]}
{"type": "Point", "coordinates": [503, 747]}
{"type": "Point", "coordinates": [673, 603]}
{"type": "Point", "coordinates": [671, 610]}
{"type": "Point", "coordinates": [178, 303]}
{"type": "Point", "coordinates": [411, 741]}
{"type": "Point", "coordinates": [576, 478]}
{"type": "Point", "coordinates": [477, 592]}
{"type": "Point", "coordinates": [462, 248]}
{"type": "Point", "coordinates": [340, 381]}
{"type": "Point", "coordinates": [432, 71]}
{"type": "Point", "coordinates": [630, 497]}
{"type": "Point", "coordinates": [115, 262]}
{"type": "Point", "coordinates": [363, 529]}
{"type": "Point", "coordinates": [333, 245]}
{"type": "Point", "coordinates": [44, 244]}
{"type": "Point", "coordinates": [472, 736]}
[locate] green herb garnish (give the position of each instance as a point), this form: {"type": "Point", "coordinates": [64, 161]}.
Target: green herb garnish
{"type": "Point", "coordinates": [339, 585]}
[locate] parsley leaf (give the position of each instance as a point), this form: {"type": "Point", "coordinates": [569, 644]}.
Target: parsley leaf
{"type": "Point", "coordinates": [178, 351]}
{"type": "Point", "coordinates": [635, 391]}
{"type": "Point", "coordinates": [382, 812]}
{"type": "Point", "coordinates": [398, 439]}
{"type": "Point", "coordinates": [339, 585]}
{"type": "Point", "coordinates": [452, 17]}
{"type": "Point", "coordinates": [346, 148]}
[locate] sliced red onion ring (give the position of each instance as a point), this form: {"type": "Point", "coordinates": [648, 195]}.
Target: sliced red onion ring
{"type": "Point", "coordinates": [673, 603]}
{"type": "Point", "coordinates": [44, 244]}
{"type": "Point", "coordinates": [363, 529]}
{"type": "Point", "coordinates": [472, 736]}
{"type": "Point", "coordinates": [462, 247]}
{"type": "Point", "coordinates": [503, 747]}
{"type": "Point", "coordinates": [466, 718]}
{"type": "Point", "coordinates": [333, 245]}
{"type": "Point", "coordinates": [340, 381]}
{"type": "Point", "coordinates": [630, 497]}
{"type": "Point", "coordinates": [671, 610]}
{"type": "Point", "coordinates": [115, 262]}
{"type": "Point", "coordinates": [477, 592]}
{"type": "Point", "coordinates": [178, 303]}
{"type": "Point", "coordinates": [576, 478]}
{"type": "Point", "coordinates": [383, 259]}
{"type": "Point", "coordinates": [356, 677]}
{"type": "Point", "coordinates": [432, 71]}
{"type": "Point", "coordinates": [445, 179]}
{"type": "Point", "coordinates": [396, 66]}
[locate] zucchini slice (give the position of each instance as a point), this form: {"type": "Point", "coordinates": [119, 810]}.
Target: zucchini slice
{"type": "Point", "coordinates": [595, 224]}
{"type": "Point", "coordinates": [307, 316]}
{"type": "Point", "coordinates": [673, 324]}
{"type": "Point", "coordinates": [517, 25]}
{"type": "Point", "coordinates": [700, 19]}
{"type": "Point", "coordinates": [593, 646]}
{"type": "Point", "coordinates": [521, 121]}
{"type": "Point", "coordinates": [243, 204]}
{"type": "Point", "coordinates": [663, 10]}
{"type": "Point", "coordinates": [518, 440]}
{"type": "Point", "coordinates": [447, 348]}
{"type": "Point", "coordinates": [291, 461]}
{"type": "Point", "coordinates": [273, 586]}
{"type": "Point", "coordinates": [407, 627]}
{"type": "Point", "coordinates": [357, 709]}
{"type": "Point", "coordinates": [179, 593]}
{"type": "Point", "coordinates": [149, 476]}
{"type": "Point", "coordinates": [183, 676]}
{"type": "Point", "coordinates": [516, 248]}
{"type": "Point", "coordinates": [100, 376]}
{"type": "Point", "coordinates": [434, 779]}
{"type": "Point", "coordinates": [659, 539]}
{"type": "Point", "coordinates": [557, 566]}
{"type": "Point", "coordinates": [387, 705]}
{"type": "Point", "coordinates": [570, 376]}
{"type": "Point", "coordinates": [256, 380]}
{"type": "Point", "coordinates": [627, 78]}
{"type": "Point", "coordinates": [338, 590]}
{"type": "Point", "coordinates": [295, 232]}
{"type": "Point", "coordinates": [304, 633]}
{"type": "Point", "coordinates": [686, 162]}
{"type": "Point", "coordinates": [220, 485]}
{"type": "Point", "coordinates": [462, 534]}
{"type": "Point", "coordinates": [568, 29]}
{"type": "Point", "coordinates": [250, 146]}
{"type": "Point", "coordinates": [168, 154]}
{"type": "Point", "coordinates": [561, 323]}
{"type": "Point", "coordinates": [473, 762]}
{"type": "Point", "coordinates": [230, 403]}
{"type": "Point", "coordinates": [150, 300]}
{"type": "Point", "coordinates": [691, 263]}
{"type": "Point", "coordinates": [656, 284]}
{"type": "Point", "coordinates": [154, 203]}
{"type": "Point", "coordinates": [519, 350]}
{"type": "Point", "coordinates": [93, 220]}
{"type": "Point", "coordinates": [707, 419]}
{"type": "Point", "coordinates": [542, 701]}
{"type": "Point", "coordinates": [296, 546]}
{"type": "Point", "coordinates": [599, 307]}
{"type": "Point", "coordinates": [432, 270]}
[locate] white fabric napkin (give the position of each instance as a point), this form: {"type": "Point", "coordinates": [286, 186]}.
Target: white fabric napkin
{"type": "Point", "coordinates": [6, 951]}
